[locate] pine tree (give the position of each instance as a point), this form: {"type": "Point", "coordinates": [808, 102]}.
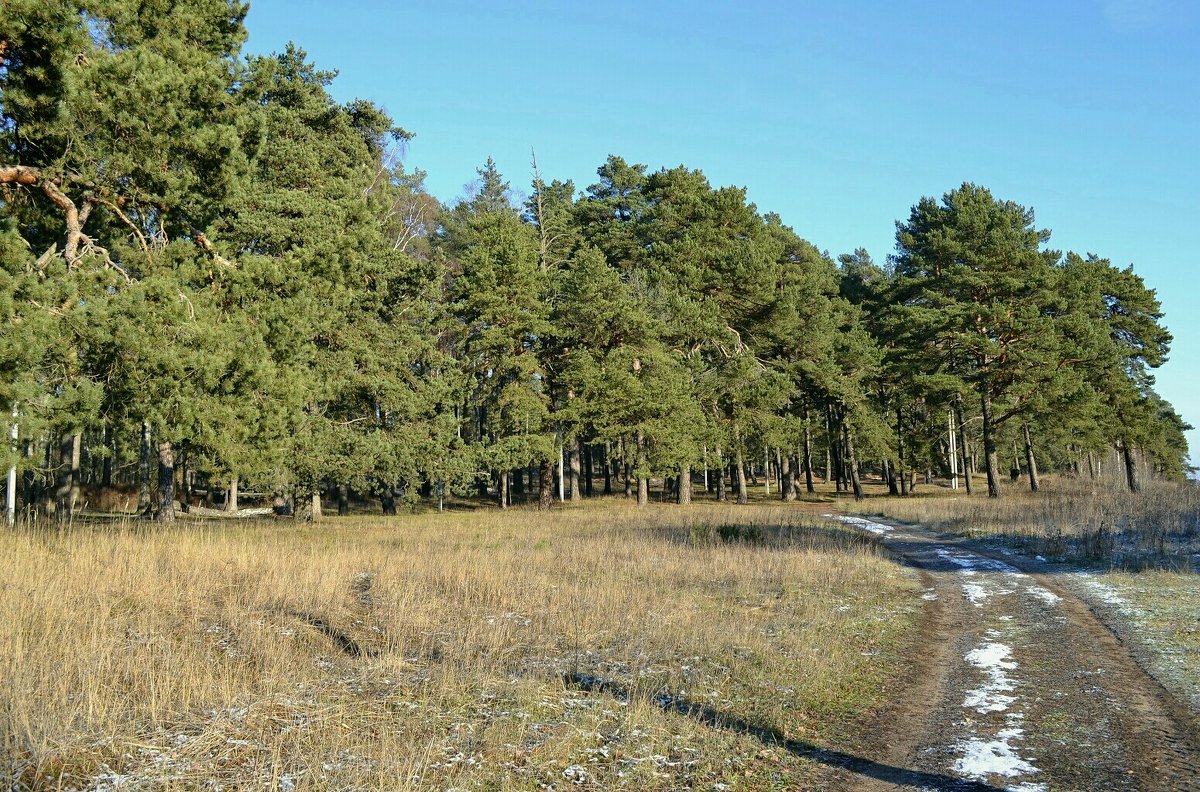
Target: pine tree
{"type": "Point", "coordinates": [496, 300]}
{"type": "Point", "coordinates": [972, 300]}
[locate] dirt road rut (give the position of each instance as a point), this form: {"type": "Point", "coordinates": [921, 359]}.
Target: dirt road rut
{"type": "Point", "coordinates": [1017, 686]}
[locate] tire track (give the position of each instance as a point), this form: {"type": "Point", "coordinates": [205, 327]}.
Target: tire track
{"type": "Point", "coordinates": [1016, 685]}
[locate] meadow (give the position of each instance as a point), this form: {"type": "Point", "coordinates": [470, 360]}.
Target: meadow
{"type": "Point", "coordinates": [597, 646]}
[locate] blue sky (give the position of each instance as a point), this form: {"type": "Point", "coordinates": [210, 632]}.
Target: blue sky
{"type": "Point", "coordinates": [838, 116]}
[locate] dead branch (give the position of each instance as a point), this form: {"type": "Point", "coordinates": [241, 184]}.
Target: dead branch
{"type": "Point", "coordinates": [28, 176]}
{"type": "Point", "coordinates": [207, 246]}
{"type": "Point", "coordinates": [141, 238]}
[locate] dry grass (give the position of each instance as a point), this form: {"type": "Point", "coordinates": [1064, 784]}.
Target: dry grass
{"type": "Point", "coordinates": [1076, 521]}
{"type": "Point", "coordinates": [500, 651]}
{"type": "Point", "coordinates": [1164, 608]}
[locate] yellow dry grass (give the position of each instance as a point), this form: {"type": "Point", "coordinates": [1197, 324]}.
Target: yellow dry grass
{"type": "Point", "coordinates": [1097, 522]}
{"type": "Point", "coordinates": [601, 647]}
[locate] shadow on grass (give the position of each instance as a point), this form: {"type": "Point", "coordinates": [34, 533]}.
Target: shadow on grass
{"type": "Point", "coordinates": [813, 534]}
{"type": "Point", "coordinates": [716, 719]}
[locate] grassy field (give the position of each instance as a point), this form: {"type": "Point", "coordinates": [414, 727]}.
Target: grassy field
{"type": "Point", "coordinates": [597, 647]}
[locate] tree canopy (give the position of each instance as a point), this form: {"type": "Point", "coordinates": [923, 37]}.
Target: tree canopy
{"type": "Point", "coordinates": [212, 268]}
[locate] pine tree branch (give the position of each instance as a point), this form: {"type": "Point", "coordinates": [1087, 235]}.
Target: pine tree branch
{"type": "Point", "coordinates": [28, 176]}
{"type": "Point", "coordinates": [207, 246]}
{"type": "Point", "coordinates": [141, 238]}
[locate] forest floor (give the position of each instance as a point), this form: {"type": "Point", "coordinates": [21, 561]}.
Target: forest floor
{"type": "Point", "coordinates": [1026, 678]}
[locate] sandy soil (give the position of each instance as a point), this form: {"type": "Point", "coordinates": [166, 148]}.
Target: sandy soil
{"type": "Point", "coordinates": [1017, 685]}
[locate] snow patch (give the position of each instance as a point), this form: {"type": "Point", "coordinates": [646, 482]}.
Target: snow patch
{"type": "Point", "coordinates": [1044, 594]}
{"type": "Point", "coordinates": [983, 758]}
{"type": "Point", "coordinates": [995, 660]}
{"type": "Point", "coordinates": [972, 562]}
{"type": "Point", "coordinates": [879, 529]}
{"type": "Point", "coordinates": [976, 593]}
{"type": "Point", "coordinates": [1107, 594]}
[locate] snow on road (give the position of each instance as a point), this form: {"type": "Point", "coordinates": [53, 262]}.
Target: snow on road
{"type": "Point", "coordinates": [879, 529]}
{"type": "Point", "coordinates": [989, 743]}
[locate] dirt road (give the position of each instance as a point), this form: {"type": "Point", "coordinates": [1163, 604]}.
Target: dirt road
{"type": "Point", "coordinates": [1016, 685]}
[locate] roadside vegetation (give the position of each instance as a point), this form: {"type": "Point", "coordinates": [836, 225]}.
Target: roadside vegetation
{"type": "Point", "coordinates": [1084, 522]}
{"type": "Point", "coordinates": [605, 647]}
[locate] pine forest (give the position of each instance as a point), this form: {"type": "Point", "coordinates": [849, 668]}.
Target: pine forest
{"type": "Point", "coordinates": [219, 283]}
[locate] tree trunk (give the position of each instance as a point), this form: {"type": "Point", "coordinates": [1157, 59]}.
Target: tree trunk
{"type": "Point", "coordinates": [576, 469]}
{"type": "Point", "coordinates": [722, 495]}
{"type": "Point", "coordinates": [66, 495]}
{"type": "Point", "coordinates": [808, 463]}
{"type": "Point", "coordinates": [890, 473]}
{"type": "Point", "coordinates": [231, 495]}
{"type": "Point", "coordinates": [962, 436]}
{"type": "Point", "coordinates": [991, 456]}
{"type": "Point", "coordinates": [742, 495]}
{"type": "Point", "coordinates": [343, 499]}
{"type": "Point", "coordinates": [607, 469]}
{"type": "Point", "coordinates": [851, 462]}
{"type": "Point", "coordinates": [387, 499]}
{"type": "Point", "coordinates": [588, 472]}
{"type": "Point", "coordinates": [683, 496]}
{"type": "Point", "coordinates": [1132, 480]}
{"type": "Point", "coordinates": [643, 481]}
{"type": "Point", "coordinates": [838, 450]}
{"type": "Point", "coordinates": [626, 470]}
{"type": "Point", "coordinates": [166, 482]}
{"type": "Point", "coordinates": [1030, 461]}
{"type": "Point", "coordinates": [144, 471]}
{"type": "Point", "coordinates": [502, 488]}
{"type": "Point", "coordinates": [183, 491]}
{"type": "Point", "coordinates": [106, 467]}
{"type": "Point", "coordinates": [788, 478]}
{"type": "Point", "coordinates": [517, 482]}
{"type": "Point", "coordinates": [545, 485]}
{"type": "Point", "coordinates": [562, 472]}
{"type": "Point", "coordinates": [828, 450]}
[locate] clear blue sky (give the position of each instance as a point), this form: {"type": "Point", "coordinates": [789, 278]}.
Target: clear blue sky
{"type": "Point", "coordinates": [838, 116]}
